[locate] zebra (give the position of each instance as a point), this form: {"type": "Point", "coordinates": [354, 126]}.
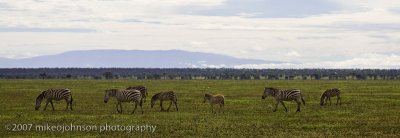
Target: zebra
{"type": "Point", "coordinates": [124, 96]}
{"type": "Point", "coordinates": [142, 89]}
{"type": "Point", "coordinates": [54, 94]}
{"type": "Point", "coordinates": [284, 95]}
{"type": "Point", "coordinates": [215, 99]}
{"type": "Point", "coordinates": [168, 95]}
{"type": "Point", "coordinates": [331, 93]}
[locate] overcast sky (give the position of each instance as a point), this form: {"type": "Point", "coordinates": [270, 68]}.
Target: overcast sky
{"type": "Point", "coordinates": [301, 33]}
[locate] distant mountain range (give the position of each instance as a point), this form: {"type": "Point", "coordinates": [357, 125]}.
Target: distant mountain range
{"type": "Point", "coordinates": [130, 59]}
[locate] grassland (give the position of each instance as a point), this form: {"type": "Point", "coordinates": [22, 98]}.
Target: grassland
{"type": "Point", "coordinates": [370, 108]}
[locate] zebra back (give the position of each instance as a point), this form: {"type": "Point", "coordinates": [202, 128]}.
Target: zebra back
{"type": "Point", "coordinates": [140, 88]}
{"type": "Point", "coordinates": [54, 94]}
{"type": "Point", "coordinates": [282, 94]}
{"type": "Point", "coordinates": [168, 95]}
{"type": "Point", "coordinates": [289, 94]}
{"type": "Point", "coordinates": [129, 95]}
{"type": "Point", "coordinates": [331, 92]}
{"type": "Point", "coordinates": [57, 94]}
{"type": "Point", "coordinates": [214, 99]}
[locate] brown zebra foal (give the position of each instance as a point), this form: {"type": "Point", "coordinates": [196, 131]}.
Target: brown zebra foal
{"type": "Point", "coordinates": [331, 93]}
{"type": "Point", "coordinates": [215, 99]}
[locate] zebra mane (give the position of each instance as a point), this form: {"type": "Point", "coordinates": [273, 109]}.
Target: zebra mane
{"type": "Point", "coordinates": [41, 96]}
{"type": "Point", "coordinates": [273, 91]}
{"type": "Point", "coordinates": [156, 96]}
{"type": "Point", "coordinates": [112, 91]}
{"type": "Point", "coordinates": [208, 96]}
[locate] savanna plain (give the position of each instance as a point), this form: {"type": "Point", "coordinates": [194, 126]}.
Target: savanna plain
{"type": "Point", "coordinates": [369, 108]}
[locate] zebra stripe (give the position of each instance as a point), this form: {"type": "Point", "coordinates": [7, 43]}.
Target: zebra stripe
{"type": "Point", "coordinates": [331, 93]}
{"type": "Point", "coordinates": [284, 95]}
{"type": "Point", "coordinates": [142, 89]}
{"type": "Point", "coordinates": [169, 95]}
{"type": "Point", "coordinates": [124, 96]}
{"type": "Point", "coordinates": [215, 99]}
{"type": "Point", "coordinates": [54, 94]}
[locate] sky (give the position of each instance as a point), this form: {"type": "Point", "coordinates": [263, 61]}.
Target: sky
{"type": "Point", "coordinates": [300, 34]}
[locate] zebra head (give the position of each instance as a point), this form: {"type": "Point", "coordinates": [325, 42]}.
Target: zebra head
{"type": "Point", "coordinates": [108, 94]}
{"type": "Point", "coordinates": [154, 99]}
{"type": "Point", "coordinates": [268, 92]}
{"type": "Point", "coordinates": [322, 99]}
{"type": "Point", "coordinates": [206, 97]}
{"type": "Point", "coordinates": [39, 100]}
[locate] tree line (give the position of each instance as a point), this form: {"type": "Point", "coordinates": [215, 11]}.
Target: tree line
{"type": "Point", "coordinates": [199, 73]}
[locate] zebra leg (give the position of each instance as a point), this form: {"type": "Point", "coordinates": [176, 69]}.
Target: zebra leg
{"type": "Point", "coordinates": [330, 103]}
{"type": "Point", "coordinates": [326, 100]}
{"type": "Point", "coordinates": [276, 106]}
{"type": "Point", "coordinates": [67, 104]}
{"type": "Point", "coordinates": [221, 106]}
{"type": "Point", "coordinates": [176, 106]}
{"type": "Point", "coordinates": [298, 105]}
{"type": "Point", "coordinates": [284, 105]}
{"type": "Point", "coordinates": [340, 100]}
{"type": "Point", "coordinates": [47, 103]}
{"type": "Point", "coordinates": [52, 106]}
{"type": "Point", "coordinates": [337, 100]}
{"type": "Point", "coordinates": [141, 108]}
{"type": "Point", "coordinates": [70, 103]}
{"type": "Point", "coordinates": [120, 105]}
{"type": "Point", "coordinates": [161, 101]}
{"type": "Point", "coordinates": [136, 103]}
{"type": "Point", "coordinates": [117, 107]}
{"type": "Point", "coordinates": [170, 103]}
{"type": "Point", "coordinates": [212, 110]}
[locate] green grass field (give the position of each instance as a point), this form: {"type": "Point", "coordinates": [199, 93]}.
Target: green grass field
{"type": "Point", "coordinates": [369, 108]}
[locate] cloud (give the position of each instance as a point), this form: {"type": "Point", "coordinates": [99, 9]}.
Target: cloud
{"type": "Point", "coordinates": [311, 31]}
{"type": "Point", "coordinates": [293, 54]}
{"type": "Point", "coordinates": [64, 30]}
{"type": "Point", "coordinates": [266, 8]}
{"type": "Point", "coordinates": [371, 4]}
{"type": "Point", "coordinates": [367, 61]}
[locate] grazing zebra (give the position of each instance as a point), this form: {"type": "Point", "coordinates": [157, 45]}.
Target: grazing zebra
{"type": "Point", "coordinates": [142, 89]}
{"type": "Point", "coordinates": [169, 95]}
{"type": "Point", "coordinates": [284, 95]}
{"type": "Point", "coordinates": [330, 93]}
{"type": "Point", "coordinates": [124, 96]}
{"type": "Point", "coordinates": [215, 99]}
{"type": "Point", "coordinates": [54, 94]}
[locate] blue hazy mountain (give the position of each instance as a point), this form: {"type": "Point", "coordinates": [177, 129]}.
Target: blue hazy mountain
{"type": "Point", "coordinates": [129, 59]}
